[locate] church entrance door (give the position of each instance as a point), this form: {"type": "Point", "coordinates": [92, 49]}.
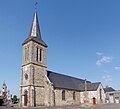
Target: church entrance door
{"type": "Point", "coordinates": [94, 101]}
{"type": "Point", "coordinates": [25, 98]}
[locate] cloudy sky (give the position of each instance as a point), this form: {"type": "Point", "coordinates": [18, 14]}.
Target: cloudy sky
{"type": "Point", "coordinates": [83, 38]}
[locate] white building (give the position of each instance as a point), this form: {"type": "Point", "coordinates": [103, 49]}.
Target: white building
{"type": "Point", "coordinates": [112, 95]}
{"type": "Point", "coordinates": [92, 93]}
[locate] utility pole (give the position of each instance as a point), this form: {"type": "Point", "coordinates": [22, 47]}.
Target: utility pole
{"type": "Point", "coordinates": [86, 98]}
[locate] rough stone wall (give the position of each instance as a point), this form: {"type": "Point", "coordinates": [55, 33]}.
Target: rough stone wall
{"type": "Point", "coordinates": [44, 95]}
{"type": "Point", "coordinates": [68, 97]}
{"type": "Point", "coordinates": [39, 96]}
{"type": "Point", "coordinates": [36, 72]}
{"type": "Point", "coordinates": [29, 49]}
{"type": "Point", "coordinates": [39, 76]}
{"type": "Point", "coordinates": [49, 95]}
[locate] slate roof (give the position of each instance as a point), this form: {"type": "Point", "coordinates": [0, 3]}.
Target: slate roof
{"type": "Point", "coordinates": [35, 34]}
{"type": "Point", "coordinates": [64, 81]}
{"type": "Point", "coordinates": [90, 86]}
{"type": "Point", "coordinates": [109, 89]}
{"type": "Point", "coordinates": [35, 39]}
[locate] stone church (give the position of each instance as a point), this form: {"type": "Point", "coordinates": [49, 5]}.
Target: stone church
{"type": "Point", "coordinates": [40, 87]}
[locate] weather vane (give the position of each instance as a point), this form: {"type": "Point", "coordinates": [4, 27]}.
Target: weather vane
{"type": "Point", "coordinates": [36, 3]}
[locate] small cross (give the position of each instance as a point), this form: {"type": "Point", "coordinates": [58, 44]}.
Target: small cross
{"type": "Point", "coordinates": [36, 3]}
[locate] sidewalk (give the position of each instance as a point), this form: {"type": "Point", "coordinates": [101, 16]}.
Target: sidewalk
{"type": "Point", "coordinates": [53, 107]}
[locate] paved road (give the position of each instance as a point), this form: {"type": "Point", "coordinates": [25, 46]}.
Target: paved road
{"type": "Point", "coordinates": [106, 106]}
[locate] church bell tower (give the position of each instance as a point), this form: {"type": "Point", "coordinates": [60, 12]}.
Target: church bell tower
{"type": "Point", "coordinates": [33, 71]}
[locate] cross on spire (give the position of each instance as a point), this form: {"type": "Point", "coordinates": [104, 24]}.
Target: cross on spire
{"type": "Point", "coordinates": [36, 3]}
{"type": "Point", "coordinates": [35, 34]}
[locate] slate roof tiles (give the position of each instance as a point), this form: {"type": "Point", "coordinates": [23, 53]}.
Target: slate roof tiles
{"type": "Point", "coordinates": [68, 82]}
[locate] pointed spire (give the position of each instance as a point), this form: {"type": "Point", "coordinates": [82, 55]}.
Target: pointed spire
{"type": "Point", "coordinates": [35, 29]}
{"type": "Point", "coordinates": [35, 34]}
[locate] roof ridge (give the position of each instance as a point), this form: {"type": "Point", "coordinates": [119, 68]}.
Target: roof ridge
{"type": "Point", "coordinates": [65, 75]}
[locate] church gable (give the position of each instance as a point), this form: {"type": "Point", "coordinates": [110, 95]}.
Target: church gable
{"type": "Point", "coordinates": [90, 86]}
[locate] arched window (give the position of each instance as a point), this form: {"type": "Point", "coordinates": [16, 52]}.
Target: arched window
{"type": "Point", "coordinates": [100, 94]}
{"type": "Point", "coordinates": [40, 54]}
{"type": "Point", "coordinates": [74, 95]}
{"type": "Point", "coordinates": [37, 54]}
{"type": "Point", "coordinates": [63, 95]}
{"type": "Point", "coordinates": [27, 53]}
